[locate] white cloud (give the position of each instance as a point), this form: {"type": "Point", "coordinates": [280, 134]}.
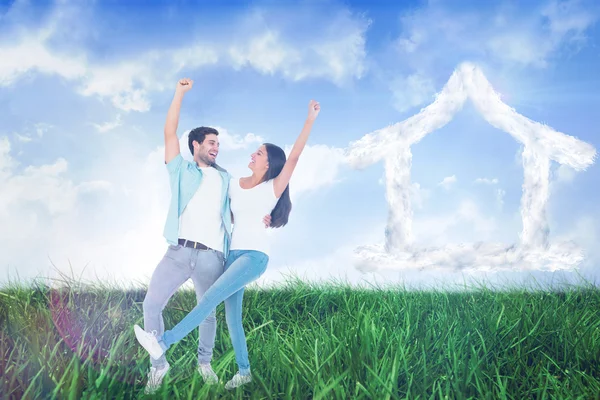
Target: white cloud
{"type": "Point", "coordinates": [487, 181]}
{"type": "Point", "coordinates": [464, 224]}
{"type": "Point", "coordinates": [419, 196]}
{"type": "Point", "coordinates": [318, 167]}
{"type": "Point", "coordinates": [500, 193]}
{"type": "Point", "coordinates": [31, 54]}
{"type": "Point", "coordinates": [342, 59]}
{"type": "Point", "coordinates": [42, 128]}
{"type": "Point", "coordinates": [265, 53]}
{"type": "Point", "coordinates": [339, 264]}
{"type": "Point", "coordinates": [541, 145]}
{"type": "Point", "coordinates": [333, 50]}
{"type": "Point", "coordinates": [128, 83]}
{"type": "Point", "coordinates": [447, 182]}
{"type": "Point", "coordinates": [228, 141]}
{"type": "Point", "coordinates": [95, 186]}
{"type": "Point", "coordinates": [331, 267]}
{"type": "Point", "coordinates": [198, 55]}
{"type": "Point", "coordinates": [32, 133]}
{"type": "Point", "coordinates": [108, 126]}
{"type": "Point", "coordinates": [109, 228]}
{"type": "Point", "coordinates": [564, 174]}
{"type": "Point", "coordinates": [335, 53]}
{"type": "Point", "coordinates": [23, 138]}
{"type": "Point", "coordinates": [569, 19]}
{"type": "Point", "coordinates": [436, 36]}
{"type": "Point", "coordinates": [43, 214]}
{"type": "Point", "coordinates": [506, 34]}
{"type": "Point", "coordinates": [121, 83]}
{"type": "Point", "coordinates": [412, 91]}
{"type": "Point", "coordinates": [585, 231]}
{"type": "Point", "coordinates": [519, 48]}
{"type": "Point", "coordinates": [45, 186]}
{"type": "Point", "coordinates": [467, 220]}
{"type": "Point", "coordinates": [6, 161]}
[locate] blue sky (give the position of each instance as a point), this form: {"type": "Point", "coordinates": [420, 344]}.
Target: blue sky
{"type": "Point", "coordinates": [84, 90]}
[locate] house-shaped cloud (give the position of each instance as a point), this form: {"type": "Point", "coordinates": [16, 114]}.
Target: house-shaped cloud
{"type": "Point", "coordinates": [541, 144]}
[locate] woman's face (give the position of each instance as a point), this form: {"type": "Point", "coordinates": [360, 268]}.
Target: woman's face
{"type": "Point", "coordinates": [259, 160]}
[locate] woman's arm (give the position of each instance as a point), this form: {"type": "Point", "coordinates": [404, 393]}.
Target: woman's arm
{"type": "Point", "coordinates": [282, 180]}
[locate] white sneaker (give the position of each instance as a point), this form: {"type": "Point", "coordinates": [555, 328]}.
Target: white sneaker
{"type": "Point", "coordinates": [155, 378]}
{"type": "Point", "coordinates": [207, 373]}
{"type": "Point", "coordinates": [238, 380]}
{"type": "Point", "coordinates": [149, 342]}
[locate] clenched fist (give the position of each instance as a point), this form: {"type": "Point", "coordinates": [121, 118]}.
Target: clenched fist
{"type": "Point", "coordinates": [313, 109]}
{"type": "Point", "coordinates": [184, 85]}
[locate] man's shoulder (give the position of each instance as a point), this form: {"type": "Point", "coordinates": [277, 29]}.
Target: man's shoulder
{"type": "Point", "coordinates": [175, 163]}
{"type": "Point", "coordinates": [221, 169]}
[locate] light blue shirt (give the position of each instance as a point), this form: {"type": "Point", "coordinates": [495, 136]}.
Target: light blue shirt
{"type": "Point", "coordinates": [185, 178]}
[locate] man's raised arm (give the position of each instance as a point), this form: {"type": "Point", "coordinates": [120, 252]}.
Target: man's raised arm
{"type": "Point", "coordinates": [171, 139]}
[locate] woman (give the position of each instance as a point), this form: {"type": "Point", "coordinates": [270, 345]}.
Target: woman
{"type": "Point", "coordinates": [265, 191]}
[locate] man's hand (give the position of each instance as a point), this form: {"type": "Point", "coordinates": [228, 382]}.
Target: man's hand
{"type": "Point", "coordinates": [184, 85]}
{"type": "Point", "coordinates": [267, 220]}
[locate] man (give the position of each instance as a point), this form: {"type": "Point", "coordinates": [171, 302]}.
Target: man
{"type": "Point", "coordinates": [198, 230]}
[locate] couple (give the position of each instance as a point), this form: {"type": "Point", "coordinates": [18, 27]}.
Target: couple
{"type": "Point", "coordinates": [205, 202]}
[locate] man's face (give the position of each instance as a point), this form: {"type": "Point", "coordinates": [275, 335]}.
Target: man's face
{"type": "Point", "coordinates": [206, 153]}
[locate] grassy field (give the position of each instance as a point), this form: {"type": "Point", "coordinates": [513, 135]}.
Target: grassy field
{"type": "Point", "coordinates": [307, 341]}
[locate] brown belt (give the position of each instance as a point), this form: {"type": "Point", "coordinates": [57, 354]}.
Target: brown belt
{"type": "Point", "coordinates": [193, 245]}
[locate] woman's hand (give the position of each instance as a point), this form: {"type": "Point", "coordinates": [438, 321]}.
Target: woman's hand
{"type": "Point", "coordinates": [313, 110]}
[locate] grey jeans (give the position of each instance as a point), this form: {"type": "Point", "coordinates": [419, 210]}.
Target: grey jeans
{"type": "Point", "coordinates": [178, 265]}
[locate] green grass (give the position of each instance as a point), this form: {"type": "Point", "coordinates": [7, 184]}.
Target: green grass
{"type": "Point", "coordinates": [312, 341]}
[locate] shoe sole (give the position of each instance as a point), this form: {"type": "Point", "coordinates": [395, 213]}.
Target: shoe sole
{"type": "Point", "coordinates": [209, 381]}
{"type": "Point", "coordinates": [235, 387]}
{"type": "Point", "coordinates": [139, 332]}
{"type": "Point", "coordinates": [148, 391]}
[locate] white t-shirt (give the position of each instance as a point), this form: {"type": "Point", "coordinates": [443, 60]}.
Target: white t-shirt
{"type": "Point", "coordinates": [249, 206]}
{"type": "Point", "coordinates": [201, 218]}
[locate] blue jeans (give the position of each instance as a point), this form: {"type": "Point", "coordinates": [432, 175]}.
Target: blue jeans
{"type": "Point", "coordinates": [241, 268]}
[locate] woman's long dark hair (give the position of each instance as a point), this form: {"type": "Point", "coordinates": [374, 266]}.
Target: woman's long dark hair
{"type": "Point", "coordinates": [281, 212]}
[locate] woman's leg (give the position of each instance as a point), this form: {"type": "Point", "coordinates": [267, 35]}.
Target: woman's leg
{"type": "Point", "coordinates": [242, 268]}
{"type": "Point", "coordinates": [233, 314]}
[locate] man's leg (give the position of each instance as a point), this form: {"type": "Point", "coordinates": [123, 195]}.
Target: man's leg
{"type": "Point", "coordinates": [209, 267]}
{"type": "Point", "coordinates": [169, 275]}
